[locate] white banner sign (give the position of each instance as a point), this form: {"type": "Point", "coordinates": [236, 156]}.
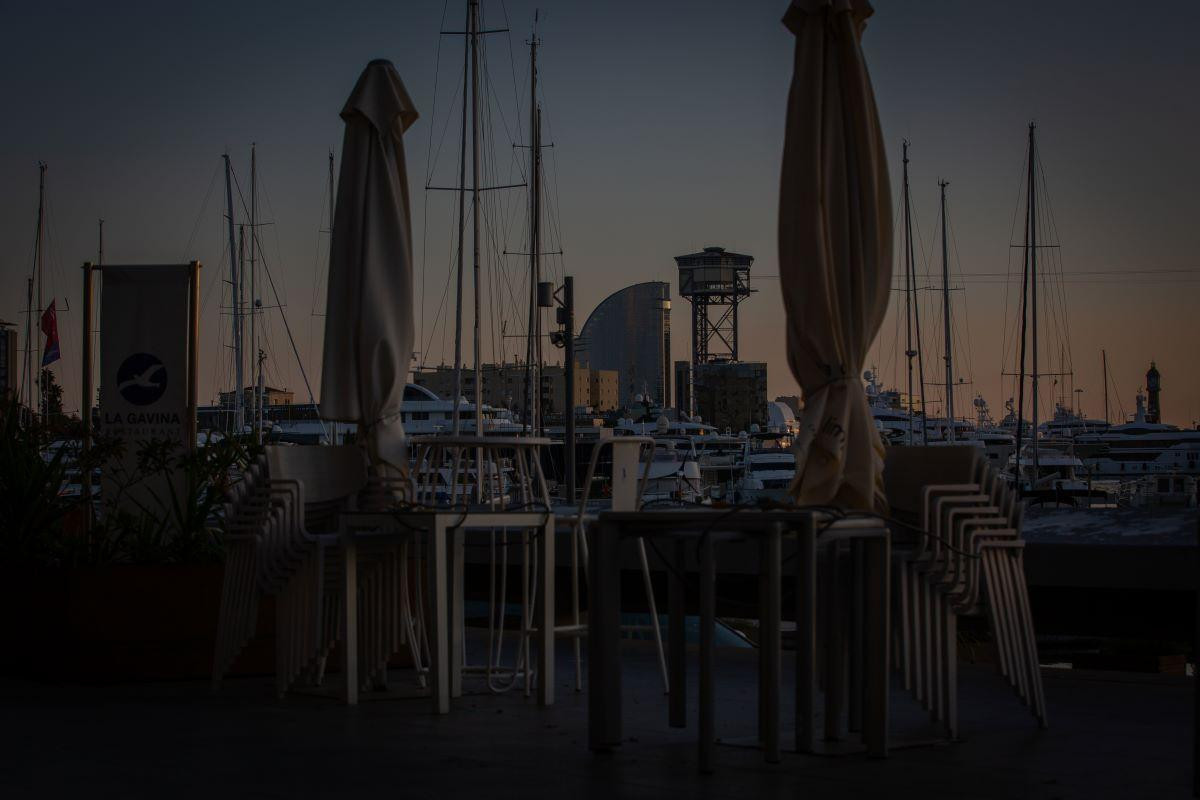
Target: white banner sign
{"type": "Point", "coordinates": [144, 361]}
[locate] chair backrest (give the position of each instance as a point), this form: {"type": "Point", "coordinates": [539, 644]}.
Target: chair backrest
{"type": "Point", "coordinates": [328, 473]}
{"type": "Point", "coordinates": [907, 469]}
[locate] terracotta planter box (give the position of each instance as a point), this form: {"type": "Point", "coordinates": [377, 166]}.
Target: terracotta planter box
{"type": "Point", "coordinates": [120, 623]}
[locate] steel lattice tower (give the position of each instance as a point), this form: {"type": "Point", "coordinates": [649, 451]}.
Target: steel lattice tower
{"type": "Point", "coordinates": [714, 282]}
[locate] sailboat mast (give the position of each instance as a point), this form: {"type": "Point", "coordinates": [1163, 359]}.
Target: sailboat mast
{"type": "Point", "coordinates": [333, 437]}
{"type": "Point", "coordinates": [241, 304]}
{"type": "Point", "coordinates": [235, 304]}
{"type": "Point", "coordinates": [1104, 366]}
{"type": "Point", "coordinates": [533, 350]}
{"type": "Point", "coordinates": [946, 319]}
{"type": "Point", "coordinates": [478, 285]}
{"type": "Point", "coordinates": [39, 264]}
{"type": "Point", "coordinates": [256, 408]}
{"type": "Point", "coordinates": [455, 416]}
{"type": "Point", "coordinates": [908, 296]}
{"type": "Point", "coordinates": [1033, 289]}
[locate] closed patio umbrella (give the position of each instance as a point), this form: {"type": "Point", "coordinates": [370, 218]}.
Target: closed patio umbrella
{"type": "Point", "coordinates": [369, 304]}
{"type": "Point", "coordinates": [835, 251]}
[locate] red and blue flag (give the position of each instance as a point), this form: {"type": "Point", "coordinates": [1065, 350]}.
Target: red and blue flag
{"type": "Point", "coordinates": [50, 328]}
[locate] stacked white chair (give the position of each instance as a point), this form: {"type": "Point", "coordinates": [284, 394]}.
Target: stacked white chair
{"type": "Point", "coordinates": [247, 513]}
{"type": "Point", "coordinates": [282, 529]}
{"type": "Point", "coordinates": [966, 558]}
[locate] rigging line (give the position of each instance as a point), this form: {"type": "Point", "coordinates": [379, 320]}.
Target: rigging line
{"type": "Point", "coordinates": [506, 211]}
{"type": "Point", "coordinates": [490, 91]}
{"type": "Point", "coordinates": [288, 328]}
{"type": "Point", "coordinates": [511, 63]}
{"type": "Point", "coordinates": [488, 211]}
{"type": "Point", "coordinates": [275, 292]}
{"type": "Point", "coordinates": [424, 261]}
{"type": "Point", "coordinates": [1048, 206]}
{"type": "Point", "coordinates": [431, 162]}
{"type": "Point", "coordinates": [429, 166]}
{"type": "Point", "coordinates": [437, 71]}
{"type": "Point", "coordinates": [1008, 335]}
{"type": "Point", "coordinates": [453, 252]}
{"type": "Point", "coordinates": [896, 309]}
{"type": "Point", "coordinates": [316, 270]}
{"type": "Point", "coordinates": [966, 315]}
{"type": "Point", "coordinates": [200, 217]}
{"type": "Point", "coordinates": [1050, 293]}
{"type": "Point", "coordinates": [214, 277]}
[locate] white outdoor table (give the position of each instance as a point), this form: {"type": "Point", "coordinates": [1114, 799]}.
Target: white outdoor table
{"type": "Point", "coordinates": [443, 586]}
{"type": "Point", "coordinates": [707, 528]}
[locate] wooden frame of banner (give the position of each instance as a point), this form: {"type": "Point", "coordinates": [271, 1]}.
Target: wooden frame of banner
{"type": "Point", "coordinates": [193, 349]}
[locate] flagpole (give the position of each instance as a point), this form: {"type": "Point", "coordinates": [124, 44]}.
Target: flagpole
{"type": "Point", "coordinates": [86, 404]}
{"type": "Point", "coordinates": [39, 261]}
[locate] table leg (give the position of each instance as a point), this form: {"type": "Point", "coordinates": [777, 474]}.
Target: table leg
{"type": "Point", "coordinates": [876, 622]}
{"type": "Point", "coordinates": [677, 634]}
{"type": "Point", "coordinates": [762, 627]}
{"type": "Point", "coordinates": [708, 578]}
{"type": "Point", "coordinates": [604, 639]}
{"type": "Point", "coordinates": [770, 650]}
{"type": "Point", "coordinates": [439, 608]}
{"type": "Point", "coordinates": [546, 634]}
{"type": "Point", "coordinates": [855, 578]}
{"type": "Point", "coordinates": [458, 611]}
{"type": "Point", "coordinates": [835, 633]}
{"type": "Point", "coordinates": [806, 636]}
{"type": "Point", "coordinates": [350, 606]}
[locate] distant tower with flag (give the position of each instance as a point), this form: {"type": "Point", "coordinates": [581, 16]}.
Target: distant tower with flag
{"type": "Point", "coordinates": [1153, 387]}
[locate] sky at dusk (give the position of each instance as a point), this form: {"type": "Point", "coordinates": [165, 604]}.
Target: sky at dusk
{"type": "Point", "coordinates": [667, 121]}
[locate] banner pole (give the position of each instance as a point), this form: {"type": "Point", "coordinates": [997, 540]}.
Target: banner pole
{"type": "Point", "coordinates": [193, 354]}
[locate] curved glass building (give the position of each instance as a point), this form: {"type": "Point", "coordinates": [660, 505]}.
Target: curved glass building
{"type": "Point", "coordinates": [630, 332]}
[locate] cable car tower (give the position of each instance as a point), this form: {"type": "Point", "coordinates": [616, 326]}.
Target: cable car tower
{"type": "Point", "coordinates": [714, 282]}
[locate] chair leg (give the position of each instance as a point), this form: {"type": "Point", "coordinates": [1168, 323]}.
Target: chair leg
{"type": "Point", "coordinates": [950, 666]}
{"type": "Point", "coordinates": [658, 641]}
{"type": "Point", "coordinates": [995, 601]}
{"type": "Point", "coordinates": [1017, 653]}
{"type": "Point", "coordinates": [1026, 616]}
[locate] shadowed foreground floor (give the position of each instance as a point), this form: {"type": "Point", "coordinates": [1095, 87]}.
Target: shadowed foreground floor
{"type": "Point", "coordinates": [1112, 735]}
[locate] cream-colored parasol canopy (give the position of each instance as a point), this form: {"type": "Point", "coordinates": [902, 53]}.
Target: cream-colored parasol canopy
{"type": "Point", "coordinates": [369, 306]}
{"type": "Point", "coordinates": [835, 252]}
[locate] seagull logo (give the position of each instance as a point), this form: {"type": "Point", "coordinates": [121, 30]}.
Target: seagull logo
{"type": "Point", "coordinates": [142, 379]}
